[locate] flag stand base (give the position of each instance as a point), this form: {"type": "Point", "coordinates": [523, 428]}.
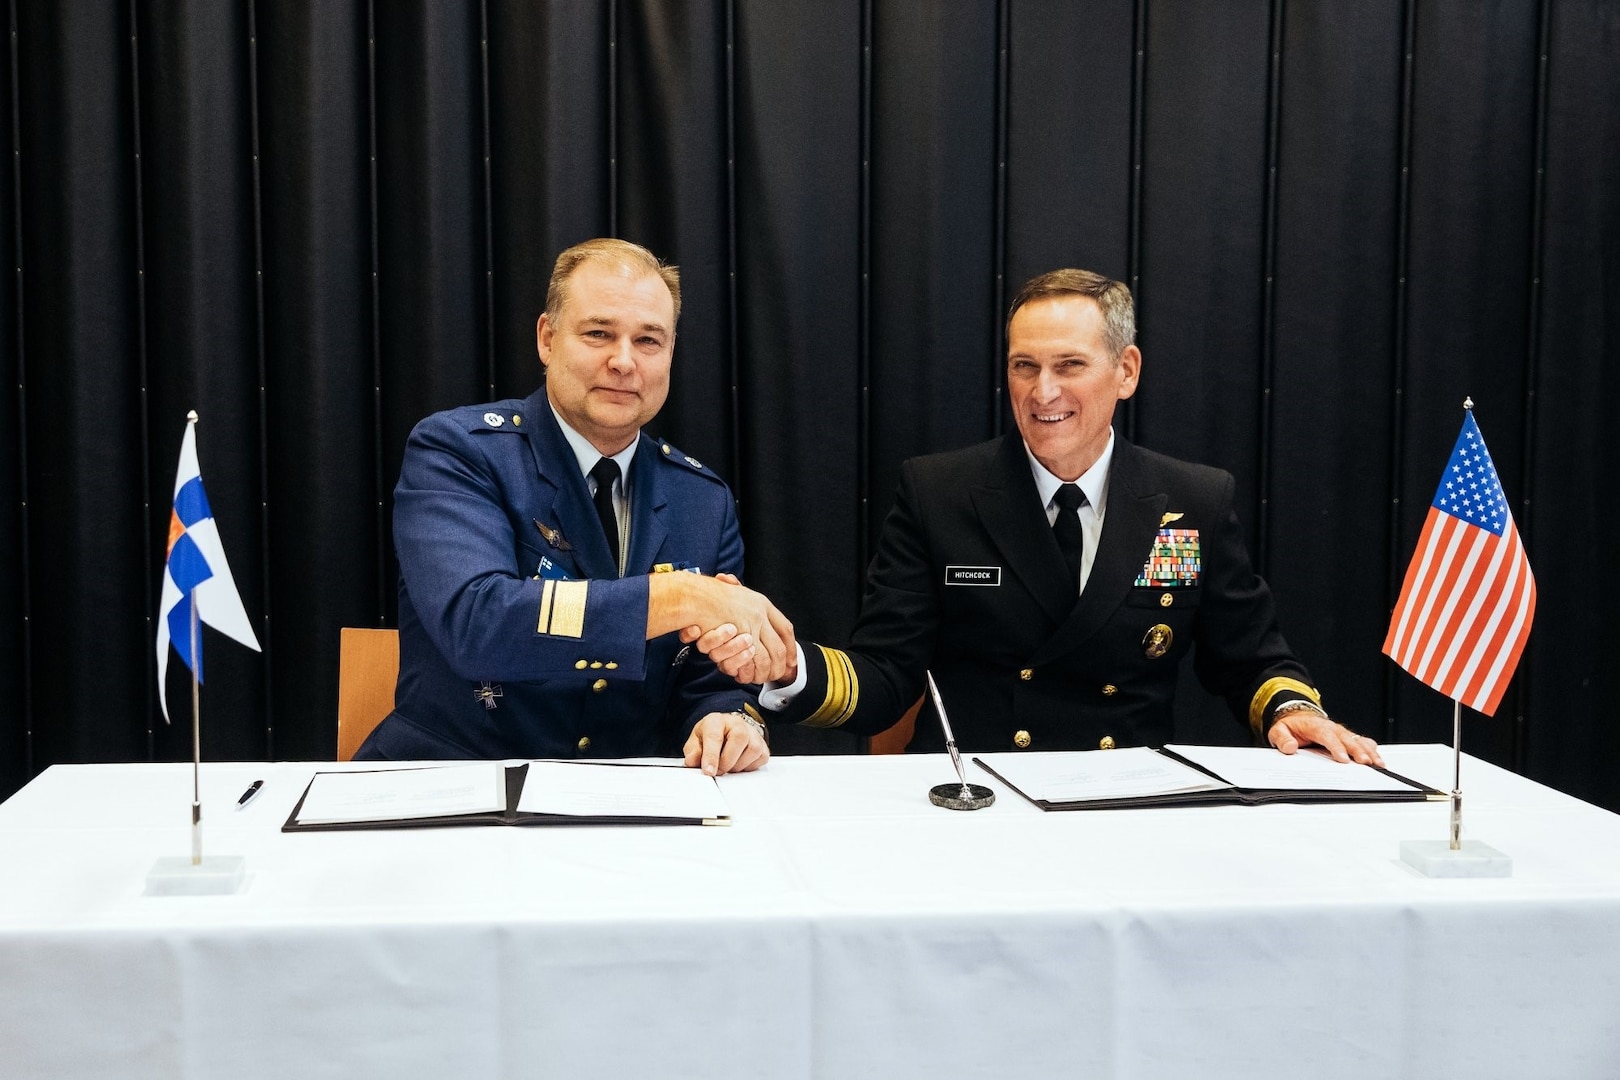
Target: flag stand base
{"type": "Point", "coordinates": [177, 875]}
{"type": "Point", "coordinates": [1436, 859]}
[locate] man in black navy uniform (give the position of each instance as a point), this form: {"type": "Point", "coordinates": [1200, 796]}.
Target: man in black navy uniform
{"type": "Point", "coordinates": [1053, 579]}
{"type": "Point", "coordinates": [554, 559]}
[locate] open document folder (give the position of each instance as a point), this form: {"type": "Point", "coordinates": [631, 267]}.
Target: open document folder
{"type": "Point", "coordinates": [1193, 775]}
{"type": "Point", "coordinates": [499, 793]}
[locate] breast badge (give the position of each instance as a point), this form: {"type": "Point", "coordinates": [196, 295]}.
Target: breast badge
{"type": "Point", "coordinates": [1157, 641]}
{"type": "Point", "coordinates": [554, 537]}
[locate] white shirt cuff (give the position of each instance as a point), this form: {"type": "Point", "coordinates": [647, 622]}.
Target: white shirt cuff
{"type": "Point", "coordinates": [776, 697]}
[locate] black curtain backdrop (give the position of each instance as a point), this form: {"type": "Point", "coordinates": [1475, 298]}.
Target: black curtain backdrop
{"type": "Point", "coordinates": [315, 223]}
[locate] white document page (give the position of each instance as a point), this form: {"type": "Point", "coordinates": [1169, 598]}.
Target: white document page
{"type": "Point", "coordinates": [403, 794]}
{"type": "Point", "coordinates": [1262, 767]}
{"type": "Point", "coordinates": [582, 789]}
{"type": "Point", "coordinates": [1073, 775]}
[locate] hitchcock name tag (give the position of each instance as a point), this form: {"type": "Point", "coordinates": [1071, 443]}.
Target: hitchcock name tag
{"type": "Point", "coordinates": [973, 575]}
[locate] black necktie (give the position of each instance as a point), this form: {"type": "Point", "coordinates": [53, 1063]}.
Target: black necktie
{"type": "Point", "coordinates": [605, 472]}
{"type": "Point", "coordinates": [1066, 528]}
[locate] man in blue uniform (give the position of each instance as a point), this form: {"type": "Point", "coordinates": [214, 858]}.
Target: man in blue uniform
{"type": "Point", "coordinates": [553, 557]}
{"type": "Point", "coordinates": [1053, 579]}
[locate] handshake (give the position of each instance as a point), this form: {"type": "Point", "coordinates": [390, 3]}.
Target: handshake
{"type": "Point", "coordinates": [739, 629]}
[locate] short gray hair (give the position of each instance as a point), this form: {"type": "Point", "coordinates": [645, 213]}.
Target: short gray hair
{"type": "Point", "coordinates": [1112, 297]}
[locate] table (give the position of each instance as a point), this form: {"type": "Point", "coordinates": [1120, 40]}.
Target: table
{"type": "Point", "coordinates": [842, 927]}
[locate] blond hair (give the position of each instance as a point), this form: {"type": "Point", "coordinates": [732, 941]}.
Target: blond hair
{"type": "Point", "coordinates": [615, 252]}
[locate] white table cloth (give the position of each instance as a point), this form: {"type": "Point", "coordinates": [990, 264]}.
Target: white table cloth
{"type": "Point", "coordinates": [842, 927]}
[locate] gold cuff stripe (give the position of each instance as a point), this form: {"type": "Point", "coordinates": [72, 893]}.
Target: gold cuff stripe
{"type": "Point", "coordinates": [545, 605]}
{"type": "Point", "coordinates": [562, 608]}
{"type": "Point", "coordinates": [843, 691]}
{"type": "Point", "coordinates": [1268, 690]}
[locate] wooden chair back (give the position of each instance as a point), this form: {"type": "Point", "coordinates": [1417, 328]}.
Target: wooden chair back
{"type": "Point", "coordinates": [894, 740]}
{"type": "Point", "coordinates": [368, 667]}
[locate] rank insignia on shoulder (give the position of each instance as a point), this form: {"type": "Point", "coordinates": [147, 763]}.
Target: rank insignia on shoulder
{"type": "Point", "coordinates": [1175, 559]}
{"type": "Point", "coordinates": [494, 419]}
{"type": "Point", "coordinates": [674, 455]}
{"type": "Point", "coordinates": [554, 537]}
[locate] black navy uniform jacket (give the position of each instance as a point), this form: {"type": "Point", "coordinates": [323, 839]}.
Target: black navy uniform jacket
{"type": "Point", "coordinates": [517, 636]}
{"type": "Point", "coordinates": [968, 582]}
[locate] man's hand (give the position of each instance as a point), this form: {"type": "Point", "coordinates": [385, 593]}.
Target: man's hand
{"type": "Point", "coordinates": [1302, 727]}
{"type": "Point", "coordinates": [726, 742]}
{"type": "Point", "coordinates": [754, 647]}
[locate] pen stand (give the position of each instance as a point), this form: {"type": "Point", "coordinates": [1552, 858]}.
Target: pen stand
{"type": "Point", "coordinates": [215, 875]}
{"type": "Point", "coordinates": [961, 796]}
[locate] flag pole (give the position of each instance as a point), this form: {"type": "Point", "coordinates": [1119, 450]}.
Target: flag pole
{"type": "Point", "coordinates": [196, 720]}
{"type": "Point", "coordinates": [196, 737]}
{"type": "Point", "coordinates": [1456, 775]}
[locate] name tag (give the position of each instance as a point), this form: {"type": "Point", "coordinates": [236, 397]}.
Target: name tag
{"type": "Point", "coordinates": [973, 575]}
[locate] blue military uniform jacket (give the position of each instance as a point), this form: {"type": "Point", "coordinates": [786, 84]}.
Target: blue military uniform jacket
{"type": "Point", "coordinates": [968, 582]}
{"type": "Point", "coordinates": [517, 636]}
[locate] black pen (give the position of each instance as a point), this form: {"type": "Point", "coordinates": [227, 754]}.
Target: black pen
{"type": "Point", "coordinates": [247, 796]}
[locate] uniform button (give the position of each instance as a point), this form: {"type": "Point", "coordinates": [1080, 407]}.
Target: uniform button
{"type": "Point", "coordinates": [599, 685]}
{"type": "Point", "coordinates": [1166, 599]}
{"type": "Point", "coordinates": [580, 665]}
{"type": "Point", "coordinates": [595, 664]}
{"type": "Point", "coordinates": [1021, 740]}
{"type": "Point", "coordinates": [612, 665]}
{"type": "Point", "coordinates": [1027, 674]}
{"type": "Point", "coordinates": [1106, 743]}
{"type": "Point", "coordinates": [1109, 689]}
{"type": "Point", "coordinates": [584, 744]}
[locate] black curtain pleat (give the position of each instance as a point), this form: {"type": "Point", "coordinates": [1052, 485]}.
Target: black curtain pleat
{"type": "Point", "coordinates": [199, 308]}
{"type": "Point", "coordinates": [674, 197]}
{"type": "Point", "coordinates": [328, 488]}
{"type": "Point", "coordinates": [91, 564]}
{"type": "Point", "coordinates": [934, 332]}
{"type": "Point", "coordinates": [316, 223]}
{"type": "Point", "coordinates": [1333, 335]}
{"type": "Point", "coordinates": [549, 125]}
{"type": "Point", "coordinates": [1069, 140]}
{"type": "Point", "coordinates": [1567, 699]}
{"type": "Point", "coordinates": [799, 79]}
{"type": "Point", "coordinates": [1473, 125]}
{"type": "Point", "coordinates": [16, 745]}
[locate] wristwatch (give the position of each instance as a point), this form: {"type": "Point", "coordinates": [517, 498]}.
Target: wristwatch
{"type": "Point", "coordinates": [1298, 705]}
{"type": "Point", "coordinates": [754, 722]}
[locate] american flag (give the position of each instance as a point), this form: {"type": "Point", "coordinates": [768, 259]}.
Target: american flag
{"type": "Point", "coordinates": [1469, 597]}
